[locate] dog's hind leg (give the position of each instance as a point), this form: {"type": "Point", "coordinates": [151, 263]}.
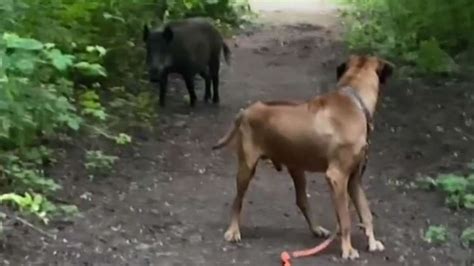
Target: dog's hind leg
{"type": "Point", "coordinates": [299, 181]}
{"type": "Point", "coordinates": [363, 210]}
{"type": "Point", "coordinates": [247, 163]}
{"type": "Point", "coordinates": [338, 181]}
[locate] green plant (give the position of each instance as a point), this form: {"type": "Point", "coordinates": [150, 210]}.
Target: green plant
{"type": "Point", "coordinates": [138, 110]}
{"type": "Point", "coordinates": [24, 177]}
{"type": "Point", "coordinates": [467, 237]}
{"type": "Point", "coordinates": [427, 34]}
{"type": "Point", "coordinates": [123, 139]}
{"type": "Point", "coordinates": [231, 12]}
{"type": "Point", "coordinates": [37, 205]}
{"type": "Point", "coordinates": [34, 93]}
{"type": "Point", "coordinates": [91, 106]}
{"type": "Point", "coordinates": [36, 102]}
{"type": "Point", "coordinates": [436, 234]}
{"type": "Point", "coordinates": [459, 190]}
{"type": "Point", "coordinates": [99, 162]}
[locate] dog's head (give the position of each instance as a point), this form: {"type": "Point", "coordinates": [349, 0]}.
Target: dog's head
{"type": "Point", "coordinates": [356, 63]}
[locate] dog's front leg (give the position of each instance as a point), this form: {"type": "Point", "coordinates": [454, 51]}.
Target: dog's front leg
{"type": "Point", "coordinates": [338, 181]}
{"type": "Point", "coordinates": [362, 206]}
{"type": "Point", "coordinates": [299, 181]}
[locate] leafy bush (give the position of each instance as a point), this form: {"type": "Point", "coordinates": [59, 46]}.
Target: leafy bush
{"type": "Point", "coordinates": [36, 102]}
{"type": "Point", "coordinates": [467, 237]}
{"type": "Point", "coordinates": [436, 234]}
{"type": "Point", "coordinates": [459, 190]}
{"type": "Point", "coordinates": [97, 161]}
{"type": "Point", "coordinates": [232, 12]}
{"type": "Point", "coordinates": [425, 33]}
{"type": "Point", "coordinates": [37, 205]}
{"type": "Point", "coordinates": [36, 94]}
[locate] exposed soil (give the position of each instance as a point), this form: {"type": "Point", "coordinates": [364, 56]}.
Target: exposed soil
{"type": "Point", "coordinates": [167, 202]}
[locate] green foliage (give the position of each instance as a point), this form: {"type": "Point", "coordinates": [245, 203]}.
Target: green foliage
{"type": "Point", "coordinates": [24, 178]}
{"type": "Point", "coordinates": [36, 94]}
{"type": "Point", "coordinates": [231, 12]}
{"type": "Point", "coordinates": [436, 234]}
{"type": "Point", "coordinates": [91, 106]}
{"type": "Point", "coordinates": [98, 162]}
{"type": "Point", "coordinates": [452, 184]}
{"type": "Point", "coordinates": [467, 237]}
{"type": "Point", "coordinates": [59, 60]}
{"type": "Point", "coordinates": [428, 34]}
{"type": "Point", "coordinates": [468, 201]}
{"type": "Point", "coordinates": [123, 139]}
{"type": "Point", "coordinates": [35, 204]}
{"type": "Point", "coordinates": [136, 109]}
{"type": "Point", "coordinates": [459, 190]}
{"type": "Point", "coordinates": [36, 102]}
{"type": "Point", "coordinates": [38, 205]}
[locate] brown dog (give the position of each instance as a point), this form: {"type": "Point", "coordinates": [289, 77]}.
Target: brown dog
{"type": "Point", "coordinates": [326, 134]}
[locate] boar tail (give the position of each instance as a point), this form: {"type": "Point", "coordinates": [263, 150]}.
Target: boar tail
{"type": "Point", "coordinates": [230, 133]}
{"type": "Point", "coordinates": [227, 53]}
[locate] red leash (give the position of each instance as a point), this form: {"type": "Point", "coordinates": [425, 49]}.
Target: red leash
{"type": "Point", "coordinates": [286, 257]}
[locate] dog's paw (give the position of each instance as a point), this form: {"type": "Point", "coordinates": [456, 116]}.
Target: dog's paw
{"type": "Point", "coordinates": [232, 236]}
{"type": "Point", "coordinates": [320, 231]}
{"type": "Point", "coordinates": [376, 245]}
{"type": "Point", "coordinates": [350, 254]}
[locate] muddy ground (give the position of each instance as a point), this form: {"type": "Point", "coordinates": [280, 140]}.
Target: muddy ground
{"type": "Point", "coordinates": [167, 202]}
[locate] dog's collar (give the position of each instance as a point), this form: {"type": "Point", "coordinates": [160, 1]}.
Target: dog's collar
{"type": "Point", "coordinates": [352, 93]}
{"type": "Point", "coordinates": [348, 90]}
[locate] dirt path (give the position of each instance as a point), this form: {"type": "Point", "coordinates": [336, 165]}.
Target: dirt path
{"type": "Point", "coordinates": [168, 201]}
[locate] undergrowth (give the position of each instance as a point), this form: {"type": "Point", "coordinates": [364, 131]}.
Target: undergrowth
{"type": "Point", "coordinates": [458, 192]}
{"type": "Point", "coordinates": [73, 70]}
{"type": "Point", "coordinates": [433, 36]}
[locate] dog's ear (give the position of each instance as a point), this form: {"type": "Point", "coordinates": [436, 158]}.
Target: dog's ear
{"type": "Point", "coordinates": [384, 71]}
{"type": "Point", "coordinates": [340, 70]}
{"type": "Point", "coordinates": [168, 34]}
{"type": "Point", "coordinates": [146, 32]}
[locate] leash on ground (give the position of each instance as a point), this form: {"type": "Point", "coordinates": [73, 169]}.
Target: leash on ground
{"type": "Point", "coordinates": [286, 256]}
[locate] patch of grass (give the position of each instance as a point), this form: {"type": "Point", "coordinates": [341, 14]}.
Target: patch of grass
{"type": "Point", "coordinates": [467, 237]}
{"type": "Point", "coordinates": [459, 193]}
{"type": "Point", "coordinates": [436, 234]}
{"type": "Point", "coordinates": [458, 190]}
{"type": "Point", "coordinates": [429, 35]}
{"type": "Point", "coordinates": [99, 162]}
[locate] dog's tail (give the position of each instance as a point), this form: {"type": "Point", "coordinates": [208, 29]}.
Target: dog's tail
{"type": "Point", "coordinates": [227, 53]}
{"type": "Point", "coordinates": [230, 134]}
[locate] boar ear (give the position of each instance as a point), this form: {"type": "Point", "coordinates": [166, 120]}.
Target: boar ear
{"type": "Point", "coordinates": [340, 70]}
{"type": "Point", "coordinates": [146, 32]}
{"type": "Point", "coordinates": [384, 70]}
{"type": "Point", "coordinates": [168, 33]}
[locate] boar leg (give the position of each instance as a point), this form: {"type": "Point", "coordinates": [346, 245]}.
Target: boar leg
{"type": "Point", "coordinates": [214, 69]}
{"type": "Point", "coordinates": [189, 80]}
{"type": "Point", "coordinates": [163, 87]}
{"type": "Point", "coordinates": [207, 80]}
